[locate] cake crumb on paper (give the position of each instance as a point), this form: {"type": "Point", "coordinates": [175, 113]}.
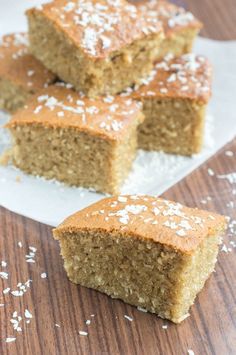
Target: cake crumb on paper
{"type": "Point", "coordinates": [18, 178]}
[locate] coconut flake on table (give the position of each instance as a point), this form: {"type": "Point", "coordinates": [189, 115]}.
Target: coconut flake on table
{"type": "Point", "coordinates": [231, 177]}
{"type": "Point", "coordinates": [43, 275]}
{"type": "Point", "coordinates": [229, 153]}
{"type": "Point", "coordinates": [83, 333]}
{"type": "Point", "coordinates": [10, 340]}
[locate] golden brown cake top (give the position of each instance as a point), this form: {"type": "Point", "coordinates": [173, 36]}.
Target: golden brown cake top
{"type": "Point", "coordinates": [60, 106]}
{"type": "Point", "coordinates": [148, 218]}
{"type": "Point", "coordinates": [172, 17]}
{"type": "Point", "coordinates": [18, 66]}
{"type": "Point", "coordinates": [188, 76]}
{"type": "Point", "coordinates": [99, 27]}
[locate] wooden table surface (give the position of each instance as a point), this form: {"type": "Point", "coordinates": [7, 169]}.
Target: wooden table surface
{"type": "Point", "coordinates": [60, 309]}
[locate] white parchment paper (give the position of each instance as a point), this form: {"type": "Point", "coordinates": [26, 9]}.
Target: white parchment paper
{"type": "Point", "coordinates": [50, 202]}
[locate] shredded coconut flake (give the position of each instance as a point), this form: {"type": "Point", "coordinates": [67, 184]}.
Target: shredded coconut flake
{"type": "Point", "coordinates": [81, 332]}
{"type": "Point", "coordinates": [10, 340]}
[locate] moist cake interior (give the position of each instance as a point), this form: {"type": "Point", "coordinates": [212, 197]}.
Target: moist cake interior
{"type": "Point", "coordinates": [141, 273]}
{"type": "Point", "coordinates": [172, 125]}
{"type": "Point", "coordinates": [73, 157]}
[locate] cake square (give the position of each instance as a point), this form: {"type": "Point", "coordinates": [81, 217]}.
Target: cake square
{"type": "Point", "coordinates": [175, 97]}
{"type": "Point", "coordinates": [100, 47]}
{"type": "Point", "coordinates": [149, 252]}
{"type": "Point", "coordinates": [79, 141]}
{"type": "Point", "coordinates": [21, 75]}
{"type": "Point", "coordinates": [180, 26]}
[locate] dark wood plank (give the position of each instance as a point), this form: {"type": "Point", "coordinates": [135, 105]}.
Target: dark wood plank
{"type": "Point", "coordinates": [211, 329]}
{"type": "Point", "coordinates": [218, 17]}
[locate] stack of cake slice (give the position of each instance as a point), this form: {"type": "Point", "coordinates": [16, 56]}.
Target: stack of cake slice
{"type": "Point", "coordinates": [125, 80]}
{"type": "Point", "coordinates": [86, 131]}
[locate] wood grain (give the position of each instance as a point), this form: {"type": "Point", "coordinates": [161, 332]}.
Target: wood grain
{"type": "Point", "coordinates": [211, 329]}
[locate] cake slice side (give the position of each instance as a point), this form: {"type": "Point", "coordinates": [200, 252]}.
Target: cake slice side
{"type": "Point", "coordinates": [197, 269]}
{"type": "Point", "coordinates": [72, 157]}
{"type": "Point", "coordinates": [122, 266]}
{"type": "Point", "coordinates": [172, 125]}
{"type": "Point", "coordinates": [144, 274]}
{"type": "Point", "coordinates": [124, 154]}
